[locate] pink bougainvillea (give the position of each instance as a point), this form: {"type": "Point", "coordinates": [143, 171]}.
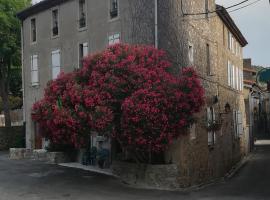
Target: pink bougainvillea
{"type": "Point", "coordinates": [126, 91]}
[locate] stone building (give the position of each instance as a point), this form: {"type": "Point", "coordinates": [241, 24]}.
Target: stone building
{"type": "Point", "coordinates": [256, 102]}
{"type": "Point", "coordinates": [56, 34]}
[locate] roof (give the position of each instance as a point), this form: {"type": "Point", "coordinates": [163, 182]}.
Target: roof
{"type": "Point", "coordinates": [36, 8]}
{"type": "Point", "coordinates": [250, 70]}
{"type": "Point", "coordinates": [228, 21]}
{"type": "Point", "coordinates": [249, 82]}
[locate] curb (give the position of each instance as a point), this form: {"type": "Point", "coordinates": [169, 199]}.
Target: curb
{"type": "Point", "coordinates": [237, 167]}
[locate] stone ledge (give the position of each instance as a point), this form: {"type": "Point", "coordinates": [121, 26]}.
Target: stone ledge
{"type": "Point", "coordinates": [39, 155]}
{"type": "Point", "coordinates": [19, 153]}
{"type": "Point", "coordinates": [147, 176]}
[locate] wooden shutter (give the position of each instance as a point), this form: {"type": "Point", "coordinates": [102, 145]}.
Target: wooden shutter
{"type": "Point", "coordinates": [55, 64]}
{"type": "Point", "coordinates": [34, 70]}
{"type": "Point", "coordinates": [239, 123]}
{"type": "Point", "coordinates": [213, 119]}
{"type": "Point", "coordinates": [229, 73]}
{"type": "Point", "coordinates": [210, 133]}
{"type": "Point", "coordinates": [85, 49]}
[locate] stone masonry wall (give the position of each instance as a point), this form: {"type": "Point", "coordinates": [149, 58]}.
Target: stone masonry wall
{"type": "Point", "coordinates": [197, 162]}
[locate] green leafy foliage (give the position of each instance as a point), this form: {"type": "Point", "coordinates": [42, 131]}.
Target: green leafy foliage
{"type": "Point", "coordinates": [14, 103]}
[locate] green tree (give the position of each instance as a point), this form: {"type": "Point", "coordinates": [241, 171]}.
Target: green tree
{"type": "Point", "coordinates": [10, 47]}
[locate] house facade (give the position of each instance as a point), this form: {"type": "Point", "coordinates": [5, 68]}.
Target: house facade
{"type": "Point", "coordinates": [57, 34]}
{"type": "Point", "coordinates": [256, 102]}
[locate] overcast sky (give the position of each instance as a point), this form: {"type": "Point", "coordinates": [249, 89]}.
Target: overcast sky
{"type": "Point", "coordinates": [254, 22]}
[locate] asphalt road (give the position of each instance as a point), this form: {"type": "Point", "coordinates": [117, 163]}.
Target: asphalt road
{"type": "Point", "coordinates": [31, 180]}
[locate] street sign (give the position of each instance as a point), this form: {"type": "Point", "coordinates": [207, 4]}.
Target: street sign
{"type": "Point", "coordinates": [263, 77]}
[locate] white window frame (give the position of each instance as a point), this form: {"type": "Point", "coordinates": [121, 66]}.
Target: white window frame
{"type": "Point", "coordinates": [192, 130]}
{"type": "Point", "coordinates": [58, 22]}
{"type": "Point", "coordinates": [233, 77]}
{"type": "Point", "coordinates": [229, 66]}
{"type": "Point", "coordinates": [237, 78]}
{"type": "Point", "coordinates": [208, 60]}
{"type": "Point", "coordinates": [79, 16]}
{"type": "Point", "coordinates": [31, 30]}
{"type": "Point", "coordinates": [110, 9]}
{"type": "Point", "coordinates": [190, 53]}
{"type": "Point", "coordinates": [237, 123]}
{"type": "Point", "coordinates": [83, 54]}
{"type": "Point", "coordinates": [114, 39]}
{"type": "Point", "coordinates": [56, 66]}
{"type": "Point", "coordinates": [233, 45]}
{"type": "Point", "coordinates": [34, 70]}
{"type": "Point", "coordinates": [229, 40]}
{"type": "Point", "coordinates": [211, 117]}
{"type": "Point", "coordinates": [242, 80]}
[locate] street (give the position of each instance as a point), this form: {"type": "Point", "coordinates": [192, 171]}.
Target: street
{"type": "Point", "coordinates": [31, 180]}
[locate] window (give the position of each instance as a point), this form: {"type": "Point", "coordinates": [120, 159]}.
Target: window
{"type": "Point", "coordinates": [82, 14]}
{"type": "Point", "coordinates": [114, 39]}
{"type": "Point", "coordinates": [229, 73]}
{"type": "Point", "coordinates": [83, 52]}
{"type": "Point", "coordinates": [113, 8]}
{"type": "Point", "coordinates": [56, 67]}
{"type": "Point", "coordinates": [190, 54]}
{"type": "Point", "coordinates": [34, 70]}
{"type": "Point", "coordinates": [208, 62]}
{"type": "Point", "coordinates": [237, 79]}
{"type": "Point", "coordinates": [241, 80]}
{"type": "Point", "coordinates": [33, 30]}
{"type": "Point", "coordinates": [211, 118]}
{"type": "Point", "coordinates": [229, 40]}
{"type": "Point", "coordinates": [55, 28]}
{"type": "Point", "coordinates": [192, 130]}
{"type": "Point", "coordinates": [238, 123]}
{"type": "Point", "coordinates": [233, 77]}
{"type": "Point", "coordinates": [233, 46]}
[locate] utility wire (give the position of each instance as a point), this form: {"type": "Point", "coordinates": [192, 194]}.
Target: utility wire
{"type": "Point", "coordinates": [215, 15]}
{"type": "Point", "coordinates": [209, 12]}
{"type": "Point", "coordinates": [245, 6]}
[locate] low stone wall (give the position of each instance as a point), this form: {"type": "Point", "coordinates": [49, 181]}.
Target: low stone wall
{"type": "Point", "coordinates": [19, 153]}
{"type": "Point", "coordinates": [12, 137]}
{"type": "Point", "coordinates": [147, 176]}
{"type": "Point", "coordinates": [39, 155]}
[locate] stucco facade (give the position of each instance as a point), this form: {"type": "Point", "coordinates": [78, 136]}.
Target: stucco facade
{"type": "Point", "coordinates": [203, 41]}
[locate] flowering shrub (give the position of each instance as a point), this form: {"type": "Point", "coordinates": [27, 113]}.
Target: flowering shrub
{"type": "Point", "coordinates": [125, 90]}
{"type": "Point", "coordinates": [153, 117]}
{"type": "Point", "coordinates": [68, 113]}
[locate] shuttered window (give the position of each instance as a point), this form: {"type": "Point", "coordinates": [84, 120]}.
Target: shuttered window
{"type": "Point", "coordinates": [34, 70]}
{"type": "Point", "coordinates": [211, 119]}
{"type": "Point", "coordinates": [83, 52]}
{"type": "Point", "coordinates": [238, 123]}
{"type": "Point", "coordinates": [237, 79]}
{"type": "Point", "coordinates": [56, 64]}
{"type": "Point", "coordinates": [114, 39]}
{"type": "Point", "coordinates": [229, 73]}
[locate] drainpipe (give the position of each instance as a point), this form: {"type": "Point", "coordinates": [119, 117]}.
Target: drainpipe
{"type": "Point", "coordinates": [22, 60]}
{"type": "Point", "coordinates": [23, 80]}
{"type": "Point", "coordinates": [156, 23]}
